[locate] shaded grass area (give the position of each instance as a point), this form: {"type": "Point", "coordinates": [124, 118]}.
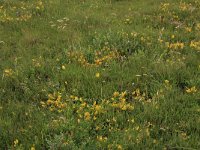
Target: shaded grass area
{"type": "Point", "coordinates": [99, 75]}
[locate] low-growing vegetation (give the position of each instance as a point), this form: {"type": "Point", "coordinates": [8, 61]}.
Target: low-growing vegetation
{"type": "Point", "coordinates": [103, 74]}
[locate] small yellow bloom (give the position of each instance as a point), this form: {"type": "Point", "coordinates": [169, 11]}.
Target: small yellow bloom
{"type": "Point", "coordinates": [188, 29]}
{"type": "Point", "coordinates": [33, 147]}
{"type": "Point", "coordinates": [49, 102]}
{"type": "Point", "coordinates": [63, 67]}
{"type": "Point", "coordinates": [51, 96]}
{"type": "Point", "coordinates": [97, 108]}
{"type": "Point", "coordinates": [124, 107]}
{"type": "Point", "coordinates": [72, 96]}
{"type": "Point", "coordinates": [97, 128]}
{"type": "Point", "coordinates": [16, 142]}
{"type": "Point", "coordinates": [115, 94]}
{"type": "Point", "coordinates": [65, 143]}
{"type": "Point", "coordinates": [184, 135]}
{"type": "Point", "coordinates": [8, 72]}
{"type": "Point", "coordinates": [42, 103]}
{"type": "Point", "coordinates": [137, 128]}
{"type": "Point", "coordinates": [84, 104]}
{"type": "Point", "coordinates": [97, 75]}
{"type": "Point", "coordinates": [147, 132]}
{"type": "Point", "coordinates": [119, 147]}
{"type": "Point", "coordinates": [166, 81]}
{"type": "Point", "coordinates": [123, 94]}
{"type": "Point", "coordinates": [154, 141]}
{"type": "Point", "coordinates": [87, 115]}
{"type": "Point", "coordinates": [40, 3]}
{"type": "Point", "coordinates": [94, 118]}
{"type": "Point", "coordinates": [76, 98]}
{"type": "Point", "coordinates": [100, 138]}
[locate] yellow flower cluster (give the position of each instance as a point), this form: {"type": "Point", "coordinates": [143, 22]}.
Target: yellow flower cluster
{"type": "Point", "coordinates": [19, 11]}
{"type": "Point", "coordinates": [164, 6]}
{"type": "Point", "coordinates": [195, 45]}
{"type": "Point", "coordinates": [8, 72]}
{"type": "Point", "coordinates": [127, 21]}
{"type": "Point", "coordinates": [188, 29]}
{"type": "Point", "coordinates": [86, 111]}
{"type": "Point", "coordinates": [177, 45]}
{"type": "Point", "coordinates": [54, 102]}
{"type": "Point", "coordinates": [120, 101]}
{"type": "Point", "coordinates": [198, 26]}
{"type": "Point", "coordinates": [101, 138]}
{"type": "Point", "coordinates": [139, 96]}
{"type": "Point", "coordinates": [191, 90]}
{"type": "Point", "coordinates": [16, 141]}
{"type": "Point", "coordinates": [87, 116]}
{"type": "Point", "coordinates": [101, 57]}
{"type": "Point", "coordinates": [183, 6]}
{"type": "Point", "coordinates": [36, 63]}
{"type": "Point", "coordinates": [115, 146]}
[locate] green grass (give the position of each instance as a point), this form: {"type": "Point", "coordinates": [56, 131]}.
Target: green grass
{"type": "Point", "coordinates": [147, 56]}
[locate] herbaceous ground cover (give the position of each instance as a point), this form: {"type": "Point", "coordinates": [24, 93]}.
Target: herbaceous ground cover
{"type": "Point", "coordinates": [103, 74]}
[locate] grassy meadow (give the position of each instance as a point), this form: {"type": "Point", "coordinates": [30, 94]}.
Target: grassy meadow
{"type": "Point", "coordinates": [99, 74]}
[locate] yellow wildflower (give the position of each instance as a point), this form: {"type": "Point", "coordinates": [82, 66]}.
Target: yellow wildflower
{"type": "Point", "coordinates": [84, 104]}
{"type": "Point", "coordinates": [8, 72]}
{"type": "Point", "coordinates": [51, 96]}
{"type": "Point", "coordinates": [16, 142]}
{"type": "Point", "coordinates": [123, 94]}
{"type": "Point", "coordinates": [184, 135]}
{"type": "Point", "coordinates": [97, 108]}
{"type": "Point", "coordinates": [49, 102]}
{"type": "Point", "coordinates": [42, 103]}
{"type": "Point", "coordinates": [166, 81]}
{"type": "Point", "coordinates": [97, 75]}
{"type": "Point", "coordinates": [115, 94]}
{"type": "Point", "coordinates": [94, 118]}
{"type": "Point", "coordinates": [124, 107]}
{"type": "Point", "coordinates": [154, 141]}
{"type": "Point", "coordinates": [119, 147]}
{"type": "Point", "coordinates": [72, 96]}
{"type": "Point", "coordinates": [188, 29]}
{"type": "Point", "coordinates": [97, 128]}
{"type": "Point", "coordinates": [191, 90]}
{"type": "Point", "coordinates": [147, 132]}
{"type": "Point", "coordinates": [63, 67]}
{"type": "Point", "coordinates": [137, 128]}
{"type": "Point", "coordinates": [100, 138]}
{"type": "Point", "coordinates": [40, 3]}
{"type": "Point", "coordinates": [33, 147]}
{"type": "Point", "coordinates": [87, 115]}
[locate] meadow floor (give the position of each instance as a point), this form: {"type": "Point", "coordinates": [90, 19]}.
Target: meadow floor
{"type": "Point", "coordinates": [99, 74]}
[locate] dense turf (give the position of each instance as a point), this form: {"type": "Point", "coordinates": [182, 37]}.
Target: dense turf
{"type": "Point", "coordinates": [103, 74]}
